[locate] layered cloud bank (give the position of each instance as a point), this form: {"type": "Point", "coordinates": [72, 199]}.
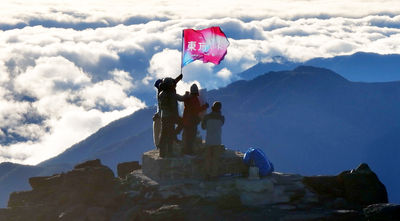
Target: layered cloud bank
{"type": "Point", "coordinates": [69, 68]}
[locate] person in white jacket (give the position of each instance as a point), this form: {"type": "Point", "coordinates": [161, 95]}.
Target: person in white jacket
{"type": "Point", "coordinates": [213, 122]}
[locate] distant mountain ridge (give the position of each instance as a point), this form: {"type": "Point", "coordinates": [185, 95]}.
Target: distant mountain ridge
{"type": "Point", "coordinates": [308, 120]}
{"type": "Point", "coordinates": [358, 67]}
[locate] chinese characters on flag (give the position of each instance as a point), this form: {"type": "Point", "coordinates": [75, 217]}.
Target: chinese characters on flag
{"type": "Point", "coordinates": [208, 45]}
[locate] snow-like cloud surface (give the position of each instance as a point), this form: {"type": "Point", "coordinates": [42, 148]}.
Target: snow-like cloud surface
{"type": "Point", "coordinates": [68, 68]}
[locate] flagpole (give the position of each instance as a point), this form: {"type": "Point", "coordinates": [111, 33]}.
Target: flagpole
{"type": "Point", "coordinates": [182, 52]}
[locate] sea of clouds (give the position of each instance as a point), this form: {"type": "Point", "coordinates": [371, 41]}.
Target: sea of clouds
{"type": "Point", "coordinates": [68, 68]}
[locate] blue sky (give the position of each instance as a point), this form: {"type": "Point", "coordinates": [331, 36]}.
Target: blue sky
{"type": "Point", "coordinates": [68, 68]}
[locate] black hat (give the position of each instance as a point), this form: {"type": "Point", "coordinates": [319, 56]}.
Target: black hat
{"type": "Point", "coordinates": [216, 106]}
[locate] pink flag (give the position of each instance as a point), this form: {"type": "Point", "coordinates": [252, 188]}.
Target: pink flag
{"type": "Point", "coordinates": [208, 45]}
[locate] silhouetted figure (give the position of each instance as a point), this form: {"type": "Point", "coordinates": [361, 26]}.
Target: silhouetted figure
{"type": "Point", "coordinates": [212, 123]}
{"type": "Point", "coordinates": [157, 116]}
{"type": "Point", "coordinates": [191, 118]}
{"type": "Point", "coordinates": [167, 100]}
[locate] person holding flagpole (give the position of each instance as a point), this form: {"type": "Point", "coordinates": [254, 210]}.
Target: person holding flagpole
{"type": "Point", "coordinates": [157, 116]}
{"type": "Point", "coordinates": [168, 103]}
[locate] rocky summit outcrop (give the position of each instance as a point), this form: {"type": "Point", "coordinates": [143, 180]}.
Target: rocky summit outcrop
{"type": "Point", "coordinates": [360, 187]}
{"type": "Point", "coordinates": [88, 192]}
{"type": "Point", "coordinates": [123, 169]}
{"type": "Point", "coordinates": [174, 189]}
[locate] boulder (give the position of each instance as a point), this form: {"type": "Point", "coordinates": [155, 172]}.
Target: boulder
{"type": "Point", "coordinates": [124, 169]}
{"type": "Point", "coordinates": [362, 187]}
{"type": "Point", "coordinates": [268, 191]}
{"type": "Point", "coordinates": [96, 214]}
{"type": "Point", "coordinates": [89, 163]}
{"type": "Point", "coordinates": [90, 184]}
{"type": "Point", "coordinates": [261, 185]}
{"type": "Point", "coordinates": [164, 213]}
{"type": "Point", "coordinates": [139, 182]}
{"type": "Point", "coordinates": [344, 215]}
{"type": "Point", "coordinates": [383, 211]}
{"type": "Point", "coordinates": [5, 213]}
{"type": "Point", "coordinates": [91, 177]}
{"type": "Point", "coordinates": [285, 178]}
{"type": "Point", "coordinates": [325, 185]}
{"type": "Point", "coordinates": [75, 212]}
{"type": "Point", "coordinates": [45, 181]}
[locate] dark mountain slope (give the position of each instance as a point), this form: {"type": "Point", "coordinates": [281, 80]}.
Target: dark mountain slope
{"type": "Point", "coordinates": [309, 107]}
{"type": "Point", "coordinates": [126, 150]}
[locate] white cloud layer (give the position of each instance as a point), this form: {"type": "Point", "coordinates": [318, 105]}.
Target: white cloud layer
{"type": "Point", "coordinates": [68, 68]}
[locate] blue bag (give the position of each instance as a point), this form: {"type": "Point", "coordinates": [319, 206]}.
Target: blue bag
{"type": "Point", "coordinates": [260, 160]}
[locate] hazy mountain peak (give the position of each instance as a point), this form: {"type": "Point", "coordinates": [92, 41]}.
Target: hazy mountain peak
{"type": "Point", "coordinates": [317, 72]}
{"type": "Point", "coordinates": [304, 76]}
{"type": "Point", "coordinates": [280, 59]}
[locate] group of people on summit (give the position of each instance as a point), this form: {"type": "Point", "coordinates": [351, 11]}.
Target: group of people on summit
{"type": "Point", "coordinates": [172, 124]}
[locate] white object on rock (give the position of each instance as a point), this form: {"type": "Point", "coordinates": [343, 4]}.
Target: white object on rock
{"type": "Point", "coordinates": [254, 173]}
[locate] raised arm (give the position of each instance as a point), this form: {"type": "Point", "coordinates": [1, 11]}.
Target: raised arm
{"type": "Point", "coordinates": [177, 79]}
{"type": "Point", "coordinates": [182, 97]}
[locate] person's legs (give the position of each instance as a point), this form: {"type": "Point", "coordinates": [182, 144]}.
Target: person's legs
{"type": "Point", "coordinates": [167, 136]}
{"type": "Point", "coordinates": [171, 136]}
{"type": "Point", "coordinates": [215, 157]}
{"type": "Point", "coordinates": [189, 135]}
{"type": "Point", "coordinates": [184, 140]}
{"type": "Point", "coordinates": [207, 162]}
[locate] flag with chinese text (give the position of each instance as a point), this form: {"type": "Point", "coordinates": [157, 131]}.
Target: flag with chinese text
{"type": "Point", "coordinates": [208, 45]}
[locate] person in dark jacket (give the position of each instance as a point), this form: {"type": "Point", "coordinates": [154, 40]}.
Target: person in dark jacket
{"type": "Point", "coordinates": [157, 116]}
{"type": "Point", "coordinates": [168, 102]}
{"type": "Point", "coordinates": [191, 118]}
{"type": "Point", "coordinates": [212, 123]}
{"type": "Point", "coordinates": [158, 84]}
